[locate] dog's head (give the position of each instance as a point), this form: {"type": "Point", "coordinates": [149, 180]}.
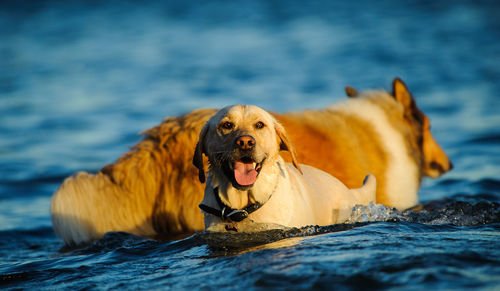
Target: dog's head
{"type": "Point", "coordinates": [435, 162]}
{"type": "Point", "coordinates": [239, 141]}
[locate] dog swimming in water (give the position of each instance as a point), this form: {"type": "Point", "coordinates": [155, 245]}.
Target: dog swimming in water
{"type": "Point", "coordinates": [249, 180]}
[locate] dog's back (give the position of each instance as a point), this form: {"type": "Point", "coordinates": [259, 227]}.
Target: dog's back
{"type": "Point", "coordinates": [148, 191]}
{"type": "Point", "coordinates": [330, 200]}
{"type": "Point", "coordinates": [356, 137]}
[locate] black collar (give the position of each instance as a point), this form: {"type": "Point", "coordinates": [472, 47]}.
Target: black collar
{"type": "Point", "coordinates": [228, 213]}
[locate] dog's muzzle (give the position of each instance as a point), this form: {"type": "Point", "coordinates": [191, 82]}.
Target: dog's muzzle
{"type": "Point", "coordinates": [242, 169]}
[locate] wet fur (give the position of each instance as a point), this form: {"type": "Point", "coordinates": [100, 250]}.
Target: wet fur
{"type": "Point", "coordinates": [154, 190]}
{"type": "Point", "coordinates": [291, 195]}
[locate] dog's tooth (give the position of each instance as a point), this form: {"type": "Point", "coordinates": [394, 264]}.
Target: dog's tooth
{"type": "Point", "coordinates": [254, 165]}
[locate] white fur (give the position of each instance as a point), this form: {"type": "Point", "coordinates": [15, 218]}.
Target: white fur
{"type": "Point", "coordinates": [402, 178]}
{"type": "Point", "coordinates": [290, 198]}
{"type": "Point", "coordinates": [314, 198]}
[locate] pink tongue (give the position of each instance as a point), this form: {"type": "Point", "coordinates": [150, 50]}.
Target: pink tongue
{"type": "Point", "coordinates": [244, 173]}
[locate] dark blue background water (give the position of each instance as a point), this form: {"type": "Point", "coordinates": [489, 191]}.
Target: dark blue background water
{"type": "Point", "coordinates": [80, 79]}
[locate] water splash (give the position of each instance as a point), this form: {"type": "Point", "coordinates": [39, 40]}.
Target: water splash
{"type": "Point", "coordinates": [372, 212]}
{"type": "Point", "coordinates": [445, 211]}
{"type": "Point", "coordinates": [440, 212]}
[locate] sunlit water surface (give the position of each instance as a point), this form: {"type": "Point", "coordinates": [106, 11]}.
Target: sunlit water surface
{"type": "Point", "coordinates": [80, 79]}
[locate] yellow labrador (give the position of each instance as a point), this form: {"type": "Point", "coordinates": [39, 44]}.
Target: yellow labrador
{"type": "Point", "coordinates": [249, 181]}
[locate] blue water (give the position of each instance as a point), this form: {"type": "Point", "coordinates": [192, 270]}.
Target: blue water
{"type": "Point", "coordinates": [80, 79]}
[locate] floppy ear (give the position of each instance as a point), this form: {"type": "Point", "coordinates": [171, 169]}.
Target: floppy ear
{"type": "Point", "coordinates": [351, 92]}
{"type": "Point", "coordinates": [402, 94]}
{"type": "Point", "coordinates": [198, 153]}
{"type": "Point", "coordinates": [285, 144]}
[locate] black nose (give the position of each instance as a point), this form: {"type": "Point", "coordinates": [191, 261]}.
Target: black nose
{"type": "Point", "coordinates": [245, 142]}
{"type": "Point", "coordinates": [436, 166]}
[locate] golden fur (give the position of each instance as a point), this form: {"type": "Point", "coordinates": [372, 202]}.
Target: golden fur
{"type": "Point", "coordinates": [153, 189]}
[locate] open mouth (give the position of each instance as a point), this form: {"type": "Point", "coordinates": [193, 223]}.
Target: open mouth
{"type": "Point", "coordinates": [245, 172]}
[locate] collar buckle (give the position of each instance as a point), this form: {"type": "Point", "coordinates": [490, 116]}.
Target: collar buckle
{"type": "Point", "coordinates": [235, 215]}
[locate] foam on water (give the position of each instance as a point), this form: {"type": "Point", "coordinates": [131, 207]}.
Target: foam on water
{"type": "Point", "coordinates": [80, 79]}
{"type": "Point", "coordinates": [444, 212]}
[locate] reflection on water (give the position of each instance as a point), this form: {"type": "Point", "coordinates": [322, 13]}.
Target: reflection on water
{"type": "Point", "coordinates": [247, 244]}
{"type": "Point", "coordinates": [80, 79]}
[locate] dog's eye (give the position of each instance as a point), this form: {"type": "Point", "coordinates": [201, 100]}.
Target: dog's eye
{"type": "Point", "coordinates": [227, 125]}
{"type": "Point", "coordinates": [259, 125]}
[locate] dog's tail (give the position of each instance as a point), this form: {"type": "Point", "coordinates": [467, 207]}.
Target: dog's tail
{"type": "Point", "coordinates": [86, 206]}
{"type": "Point", "coordinates": [71, 219]}
{"type": "Point", "coordinates": [367, 193]}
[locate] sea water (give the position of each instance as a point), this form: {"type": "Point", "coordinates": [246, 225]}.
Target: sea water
{"type": "Point", "coordinates": [80, 79]}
